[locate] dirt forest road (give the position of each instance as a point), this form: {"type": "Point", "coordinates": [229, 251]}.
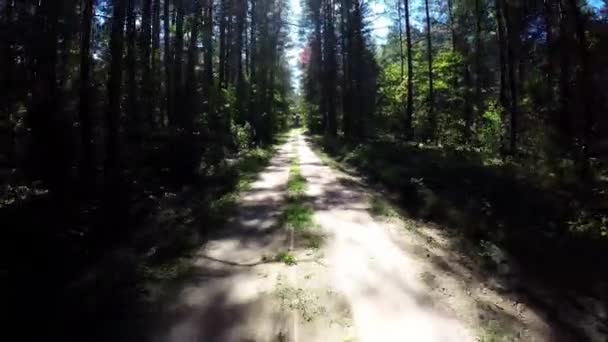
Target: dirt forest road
{"type": "Point", "coordinates": [366, 279]}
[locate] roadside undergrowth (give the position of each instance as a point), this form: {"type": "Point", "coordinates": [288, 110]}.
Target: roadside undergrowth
{"type": "Point", "coordinates": [171, 259]}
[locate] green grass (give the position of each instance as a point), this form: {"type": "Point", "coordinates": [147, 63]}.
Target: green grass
{"type": "Point", "coordinates": [296, 185]}
{"type": "Point", "coordinates": [298, 216]}
{"type": "Point", "coordinates": [381, 208]}
{"type": "Point", "coordinates": [492, 331]}
{"type": "Point", "coordinates": [286, 257]}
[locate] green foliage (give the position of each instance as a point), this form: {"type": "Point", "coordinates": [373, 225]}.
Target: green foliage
{"type": "Point", "coordinates": [492, 129]}
{"type": "Point", "coordinates": [493, 331]}
{"type": "Point", "coordinates": [243, 136]}
{"type": "Point", "coordinates": [590, 224]}
{"type": "Point", "coordinates": [380, 207]}
{"type": "Point", "coordinates": [298, 216]}
{"type": "Point", "coordinates": [286, 257]}
{"type": "Point", "coordinates": [296, 184]}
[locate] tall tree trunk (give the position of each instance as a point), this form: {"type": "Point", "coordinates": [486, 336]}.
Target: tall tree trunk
{"type": "Point", "coordinates": [550, 50]}
{"type": "Point", "coordinates": [222, 42]}
{"type": "Point", "coordinates": [454, 40]}
{"type": "Point", "coordinates": [564, 122]}
{"type": "Point", "coordinates": [114, 85]}
{"type": "Point", "coordinates": [400, 26]}
{"type": "Point", "coordinates": [44, 116]}
{"type": "Point", "coordinates": [241, 7]}
{"type": "Point", "coordinates": [168, 55]}
{"type": "Point", "coordinates": [452, 23]}
{"type": "Point", "coordinates": [513, 41]}
{"type": "Point", "coordinates": [178, 85]}
{"type": "Point", "coordinates": [147, 87]}
{"type": "Point", "coordinates": [429, 48]}
{"type": "Point", "coordinates": [317, 60]}
{"type": "Point", "coordinates": [346, 91]}
{"type": "Point", "coordinates": [502, 60]}
{"type": "Point", "coordinates": [7, 78]}
{"type": "Point", "coordinates": [208, 57]}
{"type": "Point", "coordinates": [586, 89]}
{"type": "Point", "coordinates": [156, 87]}
{"type": "Point", "coordinates": [331, 66]}
{"type": "Point", "coordinates": [253, 81]}
{"type": "Point", "coordinates": [410, 75]}
{"type": "Point", "coordinates": [86, 130]}
{"type": "Point", "coordinates": [132, 110]}
{"type": "Point", "coordinates": [479, 110]}
{"type": "Point", "coordinates": [193, 56]}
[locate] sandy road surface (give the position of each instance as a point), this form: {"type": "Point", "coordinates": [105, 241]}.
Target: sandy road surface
{"type": "Point", "coordinates": [368, 279]}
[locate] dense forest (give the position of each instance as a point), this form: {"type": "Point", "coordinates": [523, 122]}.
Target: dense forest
{"type": "Point", "coordinates": [516, 85]}
{"type": "Point", "coordinates": [507, 78]}
{"type": "Point", "coordinates": [128, 127]}
{"type": "Point", "coordinates": [110, 110]}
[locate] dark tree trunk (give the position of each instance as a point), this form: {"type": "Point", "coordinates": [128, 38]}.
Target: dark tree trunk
{"type": "Point", "coordinates": [193, 55]}
{"type": "Point", "coordinates": [44, 116]}
{"type": "Point", "coordinates": [86, 130]}
{"type": "Point", "coordinates": [429, 48]}
{"type": "Point", "coordinates": [253, 117]}
{"type": "Point", "coordinates": [564, 122]}
{"type": "Point", "coordinates": [586, 90]}
{"type": "Point", "coordinates": [550, 50]}
{"type": "Point", "coordinates": [410, 75]}
{"type": "Point", "coordinates": [330, 69]}
{"type": "Point", "coordinates": [502, 60]}
{"type": "Point", "coordinates": [241, 7]}
{"type": "Point", "coordinates": [401, 56]}
{"type": "Point", "coordinates": [132, 110]}
{"type": "Point", "coordinates": [178, 85]}
{"type": "Point", "coordinates": [479, 103]}
{"type": "Point", "coordinates": [346, 91]}
{"type": "Point", "coordinates": [155, 64]}
{"type": "Point", "coordinates": [208, 57]}
{"type": "Point", "coordinates": [513, 40]}
{"type": "Point", "coordinates": [114, 85]}
{"type": "Point", "coordinates": [168, 55]}
{"type": "Point", "coordinates": [147, 86]}
{"type": "Point", "coordinates": [7, 77]}
{"type": "Point", "coordinates": [222, 42]}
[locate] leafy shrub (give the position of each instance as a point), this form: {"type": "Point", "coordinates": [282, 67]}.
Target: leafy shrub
{"type": "Point", "coordinates": [242, 136]}
{"type": "Point", "coordinates": [491, 130]}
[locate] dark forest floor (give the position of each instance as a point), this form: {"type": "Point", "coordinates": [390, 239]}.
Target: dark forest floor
{"type": "Point", "coordinates": [94, 269]}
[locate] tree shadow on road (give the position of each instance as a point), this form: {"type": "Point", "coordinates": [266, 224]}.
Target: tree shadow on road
{"type": "Point", "coordinates": [511, 230]}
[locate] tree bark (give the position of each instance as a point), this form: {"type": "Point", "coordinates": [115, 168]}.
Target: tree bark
{"type": "Point", "coordinates": [132, 98]}
{"type": "Point", "coordinates": [239, 45]}
{"type": "Point", "coordinates": [500, 24]}
{"type": "Point", "coordinates": [43, 113]}
{"type": "Point", "coordinates": [114, 85]}
{"type": "Point", "coordinates": [410, 75]}
{"type": "Point", "coordinates": [513, 40]}
{"type": "Point", "coordinates": [144, 46]}
{"type": "Point", "coordinates": [86, 130]}
{"type": "Point", "coordinates": [193, 54]}
{"type": "Point", "coordinates": [168, 55]}
{"type": "Point", "coordinates": [586, 89]}
{"type": "Point", "coordinates": [429, 46]}
{"type": "Point", "coordinates": [564, 122]}
{"type": "Point", "coordinates": [222, 42]}
{"type": "Point", "coordinates": [178, 86]}
{"type": "Point", "coordinates": [155, 64]}
{"type": "Point", "coordinates": [478, 61]}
